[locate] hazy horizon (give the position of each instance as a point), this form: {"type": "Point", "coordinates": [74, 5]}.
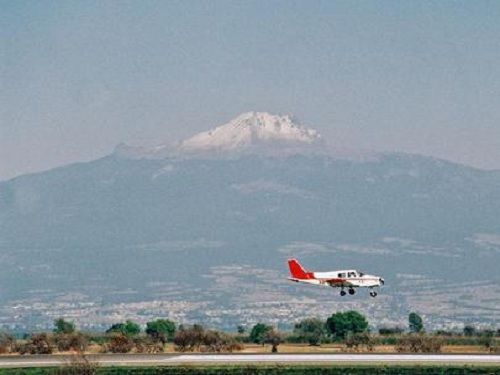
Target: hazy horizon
{"type": "Point", "coordinates": [78, 78]}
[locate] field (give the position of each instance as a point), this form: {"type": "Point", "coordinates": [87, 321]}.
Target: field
{"type": "Point", "coordinates": [324, 348]}
{"type": "Point", "coordinates": [341, 348]}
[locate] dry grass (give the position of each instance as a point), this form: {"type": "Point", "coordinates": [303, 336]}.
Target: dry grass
{"type": "Point", "coordinates": [465, 349]}
{"type": "Point", "coordinates": [340, 348]}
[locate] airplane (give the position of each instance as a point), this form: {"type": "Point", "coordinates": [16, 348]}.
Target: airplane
{"type": "Point", "coordinates": [343, 279]}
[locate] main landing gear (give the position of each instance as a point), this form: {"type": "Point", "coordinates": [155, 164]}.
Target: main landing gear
{"type": "Point", "coordinates": [351, 292]}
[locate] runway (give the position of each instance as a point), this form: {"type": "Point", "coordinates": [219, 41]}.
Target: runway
{"type": "Point", "coordinates": [249, 359]}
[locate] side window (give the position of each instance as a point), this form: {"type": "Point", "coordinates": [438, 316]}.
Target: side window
{"type": "Point", "coordinates": [352, 274]}
{"type": "Point", "coordinates": [341, 275]}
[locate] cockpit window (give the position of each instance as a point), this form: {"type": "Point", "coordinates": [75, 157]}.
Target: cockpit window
{"type": "Point", "coordinates": [351, 274]}
{"type": "Point", "coordinates": [361, 274]}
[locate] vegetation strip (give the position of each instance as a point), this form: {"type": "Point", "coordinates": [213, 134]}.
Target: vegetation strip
{"type": "Point", "coordinates": [264, 370]}
{"type": "Point", "coordinates": [341, 332]}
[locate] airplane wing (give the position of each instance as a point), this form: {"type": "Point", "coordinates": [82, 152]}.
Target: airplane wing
{"type": "Point", "coordinates": [337, 282]}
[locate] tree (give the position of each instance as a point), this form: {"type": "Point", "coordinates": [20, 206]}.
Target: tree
{"type": "Point", "coordinates": [273, 338]}
{"type": "Point", "coordinates": [128, 328]}
{"type": "Point", "coordinates": [415, 322]}
{"type": "Point", "coordinates": [469, 330]}
{"type": "Point", "coordinates": [340, 324]}
{"type": "Point", "coordinates": [258, 333]}
{"type": "Point", "coordinates": [63, 326]}
{"type": "Point", "coordinates": [161, 330]}
{"type": "Point", "coordinates": [241, 329]}
{"type": "Point", "coordinates": [310, 330]}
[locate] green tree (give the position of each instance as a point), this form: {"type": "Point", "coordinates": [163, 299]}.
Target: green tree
{"type": "Point", "coordinates": [128, 328]}
{"type": "Point", "coordinates": [415, 322]}
{"type": "Point", "coordinates": [162, 330]}
{"type": "Point", "coordinates": [340, 324]}
{"type": "Point", "coordinates": [63, 326]}
{"type": "Point", "coordinates": [258, 333]}
{"type": "Point", "coordinates": [311, 330]}
{"type": "Point", "coordinates": [469, 330]}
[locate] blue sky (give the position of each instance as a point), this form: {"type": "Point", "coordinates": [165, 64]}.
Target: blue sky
{"type": "Point", "coordinates": [77, 78]}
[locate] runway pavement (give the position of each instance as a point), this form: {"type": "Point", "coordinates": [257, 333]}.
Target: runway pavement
{"type": "Point", "coordinates": [234, 359]}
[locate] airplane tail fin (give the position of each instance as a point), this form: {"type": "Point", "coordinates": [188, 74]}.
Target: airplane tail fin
{"type": "Point", "coordinates": [297, 271]}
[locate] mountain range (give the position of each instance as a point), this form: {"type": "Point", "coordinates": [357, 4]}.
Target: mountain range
{"type": "Point", "coordinates": [201, 230]}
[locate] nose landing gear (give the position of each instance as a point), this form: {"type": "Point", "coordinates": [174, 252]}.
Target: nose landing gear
{"type": "Point", "coordinates": [351, 291]}
{"type": "Point", "coordinates": [342, 293]}
{"type": "Point", "coordinates": [373, 293]}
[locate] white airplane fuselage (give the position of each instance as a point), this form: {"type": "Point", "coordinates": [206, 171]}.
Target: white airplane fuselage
{"type": "Point", "coordinates": [344, 279]}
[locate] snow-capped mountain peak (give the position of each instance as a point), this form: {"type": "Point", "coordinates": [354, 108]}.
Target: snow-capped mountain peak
{"type": "Point", "coordinates": [251, 129]}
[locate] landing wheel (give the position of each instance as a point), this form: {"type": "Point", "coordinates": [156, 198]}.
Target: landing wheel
{"type": "Point", "coordinates": [342, 293]}
{"type": "Point", "coordinates": [351, 291]}
{"type": "Point", "coordinates": [373, 294]}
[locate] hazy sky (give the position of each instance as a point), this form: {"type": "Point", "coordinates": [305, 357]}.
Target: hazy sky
{"type": "Point", "coordinates": [77, 78]}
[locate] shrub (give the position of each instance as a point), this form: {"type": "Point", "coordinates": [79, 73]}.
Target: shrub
{"type": "Point", "coordinates": [390, 330]}
{"type": "Point", "coordinates": [39, 343]}
{"type": "Point", "coordinates": [7, 343]}
{"type": "Point", "coordinates": [419, 343]}
{"type": "Point", "coordinates": [198, 339]}
{"type": "Point", "coordinates": [147, 345]}
{"type": "Point", "coordinates": [119, 343]}
{"type": "Point", "coordinates": [486, 341]}
{"type": "Point", "coordinates": [78, 365]}
{"type": "Point", "coordinates": [354, 341]}
{"type": "Point", "coordinates": [71, 341]}
{"type": "Point", "coordinates": [189, 339]}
